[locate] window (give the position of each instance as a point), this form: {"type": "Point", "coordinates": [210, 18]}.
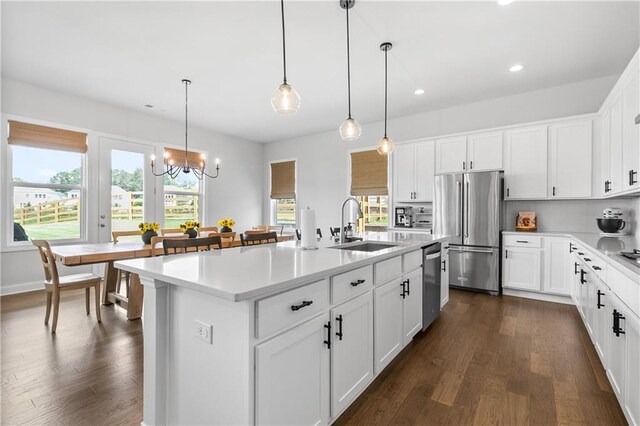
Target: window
{"type": "Point", "coordinates": [369, 186]}
{"type": "Point", "coordinates": [182, 196]}
{"type": "Point", "coordinates": [283, 193]}
{"type": "Point", "coordinates": [46, 182]}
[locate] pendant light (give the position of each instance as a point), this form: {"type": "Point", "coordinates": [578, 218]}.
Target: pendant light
{"type": "Point", "coordinates": [285, 100]}
{"type": "Point", "coordinates": [385, 145]}
{"type": "Point", "coordinates": [350, 129]}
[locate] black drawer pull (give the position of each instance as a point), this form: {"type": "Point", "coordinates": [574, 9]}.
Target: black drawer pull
{"type": "Point", "coordinates": [581, 253]}
{"type": "Point", "coordinates": [597, 268]}
{"type": "Point", "coordinates": [339, 332]}
{"type": "Point", "coordinates": [304, 304]}
{"type": "Point", "coordinates": [328, 341]}
{"type": "Point", "coordinates": [586, 259]}
{"type": "Point", "coordinates": [600, 305]}
{"type": "Point", "coordinates": [521, 241]}
{"type": "Point", "coordinates": [357, 283]}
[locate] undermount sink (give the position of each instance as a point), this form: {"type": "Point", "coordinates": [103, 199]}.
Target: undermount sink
{"type": "Point", "coordinates": [368, 247]}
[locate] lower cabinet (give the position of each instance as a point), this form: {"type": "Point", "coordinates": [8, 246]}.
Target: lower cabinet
{"type": "Point", "coordinates": [388, 323]}
{"type": "Point", "coordinates": [412, 306]}
{"type": "Point", "coordinates": [601, 320]}
{"type": "Point", "coordinates": [557, 262]}
{"type": "Point", "coordinates": [351, 351]}
{"type": "Point", "coordinates": [522, 268]}
{"type": "Point", "coordinates": [444, 276]}
{"type": "Point", "coordinates": [292, 376]}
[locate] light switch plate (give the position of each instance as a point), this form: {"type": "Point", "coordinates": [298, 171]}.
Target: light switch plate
{"type": "Point", "coordinates": [204, 331]}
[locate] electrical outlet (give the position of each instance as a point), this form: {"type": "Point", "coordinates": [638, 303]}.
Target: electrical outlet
{"type": "Point", "coordinates": [204, 331]}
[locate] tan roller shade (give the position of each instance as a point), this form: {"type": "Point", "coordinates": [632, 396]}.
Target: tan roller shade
{"type": "Point", "coordinates": [283, 180]}
{"type": "Point", "coordinates": [33, 135]}
{"type": "Point", "coordinates": [177, 157]}
{"type": "Point", "coordinates": [368, 173]}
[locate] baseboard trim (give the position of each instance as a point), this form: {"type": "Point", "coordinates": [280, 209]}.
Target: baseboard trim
{"type": "Point", "coordinates": [538, 296]}
{"type": "Point", "coordinates": [21, 288]}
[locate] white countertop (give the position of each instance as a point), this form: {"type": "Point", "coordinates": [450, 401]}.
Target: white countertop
{"type": "Point", "coordinates": [249, 272]}
{"type": "Point", "coordinates": [607, 246]}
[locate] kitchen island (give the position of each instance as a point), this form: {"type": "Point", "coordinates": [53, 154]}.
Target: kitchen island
{"type": "Point", "coordinates": [275, 334]}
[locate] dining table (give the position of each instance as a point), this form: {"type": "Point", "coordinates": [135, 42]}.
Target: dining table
{"type": "Point", "coordinates": [108, 253]}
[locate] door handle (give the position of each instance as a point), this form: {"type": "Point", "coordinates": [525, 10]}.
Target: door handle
{"type": "Point", "coordinates": [404, 290]}
{"type": "Point", "coordinates": [575, 268]}
{"type": "Point", "coordinates": [458, 207]}
{"type": "Point", "coordinates": [471, 165]}
{"type": "Point", "coordinates": [600, 305]}
{"type": "Point", "coordinates": [632, 181]}
{"type": "Point", "coordinates": [466, 216]}
{"type": "Point", "coordinates": [582, 274]}
{"type": "Point", "coordinates": [464, 166]}
{"type": "Point", "coordinates": [328, 341]}
{"type": "Point", "coordinates": [554, 191]}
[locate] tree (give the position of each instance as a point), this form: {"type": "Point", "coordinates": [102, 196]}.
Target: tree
{"type": "Point", "coordinates": [67, 178]}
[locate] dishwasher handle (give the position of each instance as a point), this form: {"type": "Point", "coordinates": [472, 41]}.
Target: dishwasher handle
{"type": "Point", "coordinates": [432, 256]}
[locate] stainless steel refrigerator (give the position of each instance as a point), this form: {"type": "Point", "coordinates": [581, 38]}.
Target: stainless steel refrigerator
{"type": "Point", "coordinates": [468, 208]}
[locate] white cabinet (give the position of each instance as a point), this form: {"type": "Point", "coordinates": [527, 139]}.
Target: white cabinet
{"type": "Point", "coordinates": [351, 351]}
{"type": "Point", "coordinates": [412, 306]}
{"type": "Point", "coordinates": [526, 163]}
{"type": "Point", "coordinates": [615, 147]}
{"type": "Point", "coordinates": [632, 395]}
{"type": "Point", "coordinates": [451, 155]}
{"type": "Point", "coordinates": [521, 269]}
{"type": "Point", "coordinates": [484, 151]}
{"type": "Point", "coordinates": [413, 171]}
{"type": "Point", "coordinates": [630, 133]}
{"type": "Point", "coordinates": [558, 274]}
{"type": "Point", "coordinates": [617, 368]}
{"type": "Point", "coordinates": [601, 320]}
{"type": "Point", "coordinates": [570, 147]}
{"type": "Point", "coordinates": [605, 154]}
{"type": "Point", "coordinates": [292, 376]}
{"type": "Point", "coordinates": [444, 276]}
{"type": "Point", "coordinates": [388, 323]}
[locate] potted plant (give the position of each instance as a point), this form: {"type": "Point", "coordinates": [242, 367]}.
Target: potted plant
{"type": "Point", "coordinates": [190, 228]}
{"type": "Point", "coordinates": [148, 230]}
{"type": "Point", "coordinates": [226, 224]}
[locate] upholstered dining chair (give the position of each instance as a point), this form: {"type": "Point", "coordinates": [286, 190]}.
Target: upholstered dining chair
{"type": "Point", "coordinates": [299, 234]}
{"type": "Point", "coordinates": [54, 284]}
{"type": "Point", "coordinates": [252, 239]}
{"type": "Point", "coordinates": [183, 245]}
{"type": "Point", "coordinates": [224, 236]}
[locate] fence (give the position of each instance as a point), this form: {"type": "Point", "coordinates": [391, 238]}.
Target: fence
{"type": "Point", "coordinates": [64, 210]}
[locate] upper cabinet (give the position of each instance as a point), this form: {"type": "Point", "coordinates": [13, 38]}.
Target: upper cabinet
{"type": "Point", "coordinates": [473, 153]}
{"type": "Point", "coordinates": [570, 147]}
{"type": "Point", "coordinates": [630, 133]}
{"type": "Point", "coordinates": [525, 163]}
{"type": "Point", "coordinates": [413, 170]}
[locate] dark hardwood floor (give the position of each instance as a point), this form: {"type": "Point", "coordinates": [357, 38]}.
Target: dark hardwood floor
{"type": "Point", "coordinates": [486, 360]}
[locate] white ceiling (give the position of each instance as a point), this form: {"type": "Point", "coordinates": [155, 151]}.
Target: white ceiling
{"type": "Point", "coordinates": [131, 54]}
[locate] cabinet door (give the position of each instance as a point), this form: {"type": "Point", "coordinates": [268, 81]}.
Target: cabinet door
{"type": "Point", "coordinates": [570, 169]}
{"type": "Point", "coordinates": [615, 157]}
{"type": "Point", "coordinates": [522, 268]}
{"type": "Point", "coordinates": [387, 323]}
{"type": "Point", "coordinates": [575, 279]}
{"type": "Point", "coordinates": [484, 151]}
{"type": "Point", "coordinates": [630, 134]}
{"type": "Point", "coordinates": [292, 376]}
{"type": "Point", "coordinates": [590, 298]}
{"type": "Point", "coordinates": [526, 163]}
{"type": "Point", "coordinates": [424, 171]}
{"type": "Point", "coordinates": [352, 351]}
{"type": "Point", "coordinates": [617, 368]}
{"type": "Point", "coordinates": [632, 394]}
{"type": "Point", "coordinates": [412, 306]}
{"type": "Point", "coordinates": [451, 155]}
{"type": "Point", "coordinates": [602, 326]}
{"type": "Point", "coordinates": [558, 268]}
{"type": "Point", "coordinates": [403, 173]}
{"type": "Point", "coordinates": [444, 276]}
{"type": "Point", "coordinates": [605, 154]}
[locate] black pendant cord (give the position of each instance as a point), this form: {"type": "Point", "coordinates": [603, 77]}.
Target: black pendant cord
{"type": "Point", "coordinates": [284, 48]}
{"type": "Point", "coordinates": [385, 92]}
{"type": "Point", "coordinates": [348, 64]}
{"type": "Point", "coordinates": [186, 122]}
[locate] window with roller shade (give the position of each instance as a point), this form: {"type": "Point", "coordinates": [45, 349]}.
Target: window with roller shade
{"type": "Point", "coordinates": [369, 172]}
{"type": "Point", "coordinates": [283, 193]}
{"type": "Point", "coordinates": [47, 183]}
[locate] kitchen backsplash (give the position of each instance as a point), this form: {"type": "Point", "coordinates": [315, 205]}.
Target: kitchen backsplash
{"type": "Point", "coordinates": [574, 215]}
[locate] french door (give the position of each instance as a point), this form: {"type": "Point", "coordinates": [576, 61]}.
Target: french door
{"type": "Point", "coordinates": [126, 185]}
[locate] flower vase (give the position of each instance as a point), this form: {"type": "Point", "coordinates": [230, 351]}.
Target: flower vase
{"type": "Point", "coordinates": [147, 235]}
{"type": "Point", "coordinates": [226, 229]}
{"type": "Point", "coordinates": [191, 232]}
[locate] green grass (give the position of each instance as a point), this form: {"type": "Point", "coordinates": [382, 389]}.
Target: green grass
{"type": "Point", "coordinates": [53, 231]}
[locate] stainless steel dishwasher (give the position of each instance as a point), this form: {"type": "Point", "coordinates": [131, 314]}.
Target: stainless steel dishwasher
{"type": "Point", "coordinates": [431, 267]}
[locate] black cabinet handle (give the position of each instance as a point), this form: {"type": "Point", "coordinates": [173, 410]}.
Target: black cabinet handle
{"type": "Point", "coordinates": [339, 332]}
{"type": "Point", "coordinates": [575, 268]}
{"type": "Point", "coordinates": [570, 247]}
{"type": "Point", "coordinates": [404, 290]}
{"type": "Point", "coordinates": [522, 241]}
{"type": "Point", "coordinates": [506, 254]}
{"type": "Point", "coordinates": [632, 181]}
{"type": "Point", "coordinates": [597, 268]}
{"type": "Point", "coordinates": [328, 341]}
{"type": "Point", "coordinates": [464, 165]}
{"type": "Point", "coordinates": [356, 283]}
{"type": "Point", "coordinates": [581, 253]}
{"type": "Point", "coordinates": [444, 266]}
{"type": "Point", "coordinates": [507, 192]}
{"type": "Point", "coordinates": [554, 191]}
{"type": "Point", "coordinates": [600, 305]}
{"type": "Point", "coordinates": [607, 186]}
{"type": "Point", "coordinates": [408, 287]}
{"type": "Point", "coordinates": [470, 165]}
{"type": "Point", "coordinates": [586, 259]}
{"type": "Point", "coordinates": [582, 274]}
{"type": "Point", "coordinates": [304, 304]}
{"type": "Point", "coordinates": [617, 316]}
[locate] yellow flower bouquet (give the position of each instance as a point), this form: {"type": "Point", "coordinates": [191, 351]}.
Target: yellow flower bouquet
{"type": "Point", "coordinates": [190, 228]}
{"type": "Point", "coordinates": [226, 224]}
{"type": "Point", "coordinates": [148, 230]}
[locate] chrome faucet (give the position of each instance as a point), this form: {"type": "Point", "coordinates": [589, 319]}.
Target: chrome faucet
{"type": "Point", "coordinates": [343, 232]}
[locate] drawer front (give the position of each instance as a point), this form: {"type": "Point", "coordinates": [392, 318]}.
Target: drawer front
{"type": "Point", "coordinates": [625, 288]}
{"type": "Point", "coordinates": [532, 241]}
{"type": "Point", "coordinates": [387, 270]}
{"type": "Point", "coordinates": [411, 261]}
{"type": "Point", "coordinates": [278, 312]}
{"type": "Point", "coordinates": [351, 283]}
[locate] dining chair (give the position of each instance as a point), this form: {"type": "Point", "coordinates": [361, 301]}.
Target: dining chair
{"type": "Point", "coordinates": [268, 228]}
{"type": "Point", "coordinates": [335, 232]}
{"type": "Point", "coordinates": [171, 231]}
{"type": "Point", "coordinates": [115, 235]}
{"type": "Point", "coordinates": [159, 239]}
{"type": "Point", "coordinates": [299, 234]}
{"type": "Point", "coordinates": [54, 284]}
{"type": "Point", "coordinates": [259, 238]}
{"type": "Point", "coordinates": [185, 244]}
{"type": "Point", "coordinates": [205, 230]}
{"type": "Point", "coordinates": [224, 236]}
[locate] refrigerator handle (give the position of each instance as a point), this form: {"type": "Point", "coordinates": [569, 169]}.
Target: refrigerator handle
{"type": "Point", "coordinates": [466, 213]}
{"type": "Point", "coordinates": [458, 207]}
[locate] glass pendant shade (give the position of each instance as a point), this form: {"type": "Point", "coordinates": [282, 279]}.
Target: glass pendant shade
{"type": "Point", "coordinates": [285, 100]}
{"type": "Point", "coordinates": [350, 129]}
{"type": "Point", "coordinates": [385, 146]}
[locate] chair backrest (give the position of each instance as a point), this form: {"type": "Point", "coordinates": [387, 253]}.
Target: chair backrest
{"type": "Point", "coordinates": [261, 238]}
{"type": "Point", "coordinates": [205, 230]}
{"type": "Point", "coordinates": [48, 262]}
{"type": "Point", "coordinates": [299, 234]}
{"type": "Point", "coordinates": [268, 228]}
{"type": "Point", "coordinates": [185, 244]}
{"type": "Point", "coordinates": [224, 236]}
{"type": "Point", "coordinates": [169, 231]}
{"type": "Point", "coordinates": [117, 234]}
{"type": "Point", "coordinates": [159, 239]}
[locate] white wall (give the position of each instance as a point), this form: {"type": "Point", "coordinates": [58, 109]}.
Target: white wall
{"type": "Point", "coordinates": [322, 159]}
{"type": "Point", "coordinates": [236, 193]}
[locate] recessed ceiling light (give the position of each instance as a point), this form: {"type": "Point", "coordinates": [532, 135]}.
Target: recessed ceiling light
{"type": "Point", "coordinates": [148, 106]}
{"type": "Point", "coordinates": [419, 92]}
{"type": "Point", "coordinates": [516, 68]}
{"type": "Point", "coordinates": [504, 2]}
